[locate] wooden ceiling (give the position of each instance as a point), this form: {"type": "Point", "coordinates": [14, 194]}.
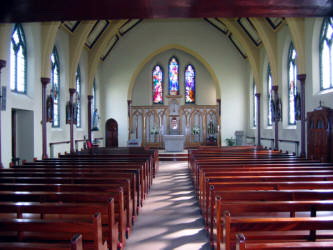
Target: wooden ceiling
{"type": "Point", "coordinates": [60, 10]}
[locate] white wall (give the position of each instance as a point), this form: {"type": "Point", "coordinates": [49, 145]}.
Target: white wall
{"type": "Point", "coordinates": [195, 35]}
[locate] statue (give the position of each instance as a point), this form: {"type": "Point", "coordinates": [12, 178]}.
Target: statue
{"type": "Point", "coordinates": [95, 121]}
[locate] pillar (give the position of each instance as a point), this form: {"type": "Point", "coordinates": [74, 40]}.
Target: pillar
{"type": "Point", "coordinates": [276, 120]}
{"type": "Point", "coordinates": [71, 124]}
{"type": "Point", "coordinates": [2, 65]}
{"type": "Point", "coordinates": [258, 120]}
{"type": "Point", "coordinates": [90, 97]}
{"type": "Point", "coordinates": [45, 81]}
{"type": "Point", "coordinates": [301, 78]}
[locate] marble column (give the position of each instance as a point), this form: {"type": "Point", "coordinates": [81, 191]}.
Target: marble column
{"type": "Point", "coordinates": [90, 97]}
{"type": "Point", "coordinates": [45, 81]}
{"type": "Point", "coordinates": [258, 120]}
{"type": "Point", "coordinates": [301, 78]}
{"type": "Point", "coordinates": [2, 65]}
{"type": "Point", "coordinates": [71, 124]}
{"type": "Point", "coordinates": [276, 120]}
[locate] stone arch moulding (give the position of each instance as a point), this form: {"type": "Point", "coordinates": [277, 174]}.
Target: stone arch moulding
{"type": "Point", "coordinates": [168, 47]}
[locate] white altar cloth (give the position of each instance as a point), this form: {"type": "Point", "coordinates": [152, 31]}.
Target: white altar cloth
{"type": "Point", "coordinates": [174, 143]}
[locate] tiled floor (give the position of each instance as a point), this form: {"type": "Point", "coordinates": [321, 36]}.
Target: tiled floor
{"type": "Point", "coordinates": [170, 217]}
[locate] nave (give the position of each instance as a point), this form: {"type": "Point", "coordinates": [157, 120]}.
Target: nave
{"type": "Point", "coordinates": [170, 217]}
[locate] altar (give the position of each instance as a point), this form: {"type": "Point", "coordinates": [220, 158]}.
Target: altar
{"type": "Point", "coordinates": [174, 143]}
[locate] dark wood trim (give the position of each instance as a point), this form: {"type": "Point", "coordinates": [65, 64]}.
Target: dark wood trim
{"type": "Point", "coordinates": [13, 134]}
{"type": "Point", "coordinates": [276, 121]}
{"type": "Point", "coordinates": [109, 51]}
{"type": "Point", "coordinates": [71, 29]}
{"type": "Point", "coordinates": [59, 142]}
{"type": "Point", "coordinates": [257, 44]}
{"type": "Point", "coordinates": [44, 81]}
{"type": "Point", "coordinates": [123, 33]}
{"type": "Point", "coordinates": [257, 95]}
{"type": "Point", "coordinates": [98, 36]}
{"type": "Point", "coordinates": [2, 65]}
{"type": "Point", "coordinates": [301, 78]}
{"type": "Point", "coordinates": [215, 26]}
{"type": "Point", "coordinates": [71, 124]}
{"type": "Point", "coordinates": [234, 43]}
{"type": "Point", "coordinates": [273, 25]}
{"type": "Point", "coordinates": [90, 97]}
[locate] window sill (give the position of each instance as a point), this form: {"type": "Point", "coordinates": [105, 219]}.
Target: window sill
{"type": "Point", "coordinates": [326, 91]}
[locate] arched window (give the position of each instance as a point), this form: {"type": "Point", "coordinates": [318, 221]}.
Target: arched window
{"type": "Point", "coordinates": [254, 104]}
{"type": "Point", "coordinates": [94, 106]}
{"type": "Point", "coordinates": [55, 85]}
{"type": "Point", "coordinates": [189, 84]}
{"type": "Point", "coordinates": [173, 76]}
{"type": "Point", "coordinates": [269, 96]}
{"type": "Point", "coordinates": [326, 54]}
{"type": "Point", "coordinates": [292, 80]}
{"type": "Point", "coordinates": [18, 61]}
{"type": "Point", "coordinates": [157, 85]}
{"type": "Point", "coordinates": [78, 96]}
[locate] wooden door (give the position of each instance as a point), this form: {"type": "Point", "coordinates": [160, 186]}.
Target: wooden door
{"type": "Point", "coordinates": [111, 133]}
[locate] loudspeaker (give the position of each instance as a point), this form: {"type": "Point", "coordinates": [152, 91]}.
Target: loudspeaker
{"type": "Point", "coordinates": [3, 98]}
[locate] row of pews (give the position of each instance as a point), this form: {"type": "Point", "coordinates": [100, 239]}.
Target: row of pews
{"type": "Point", "coordinates": [86, 200]}
{"type": "Point", "coordinates": [260, 199]}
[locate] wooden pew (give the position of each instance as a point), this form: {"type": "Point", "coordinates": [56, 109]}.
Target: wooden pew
{"type": "Point", "coordinates": [54, 210]}
{"type": "Point", "coordinates": [75, 244]}
{"type": "Point", "coordinates": [259, 226]}
{"type": "Point", "coordinates": [243, 244]}
{"type": "Point", "coordinates": [57, 230]}
{"type": "Point", "coordinates": [264, 209]}
{"type": "Point", "coordinates": [74, 197]}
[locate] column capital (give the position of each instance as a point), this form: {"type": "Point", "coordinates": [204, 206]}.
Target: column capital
{"type": "Point", "coordinates": [2, 64]}
{"type": "Point", "coordinates": [301, 77]}
{"type": "Point", "coordinates": [45, 80]}
{"type": "Point", "coordinates": [72, 91]}
{"type": "Point", "coordinates": [90, 97]}
{"type": "Point", "coordinates": [275, 88]}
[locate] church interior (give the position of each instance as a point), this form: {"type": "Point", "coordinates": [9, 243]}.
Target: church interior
{"type": "Point", "coordinates": [194, 78]}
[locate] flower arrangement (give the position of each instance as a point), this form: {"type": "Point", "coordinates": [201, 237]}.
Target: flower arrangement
{"type": "Point", "coordinates": [195, 130]}
{"type": "Point", "coordinates": [154, 131]}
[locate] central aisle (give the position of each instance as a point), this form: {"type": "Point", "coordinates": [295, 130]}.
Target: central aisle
{"type": "Point", "coordinates": [170, 217]}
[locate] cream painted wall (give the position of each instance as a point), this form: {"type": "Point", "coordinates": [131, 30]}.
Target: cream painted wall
{"type": "Point", "coordinates": [195, 35]}
{"type": "Point", "coordinates": [205, 88]}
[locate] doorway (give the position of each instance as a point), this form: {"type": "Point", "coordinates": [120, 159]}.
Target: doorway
{"type": "Point", "coordinates": [111, 133]}
{"type": "Point", "coordinates": [22, 135]}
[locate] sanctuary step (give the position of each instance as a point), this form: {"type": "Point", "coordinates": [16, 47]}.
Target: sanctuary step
{"type": "Point", "coordinates": [173, 157]}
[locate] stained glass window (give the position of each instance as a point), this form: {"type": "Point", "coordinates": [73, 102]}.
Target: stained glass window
{"type": "Point", "coordinates": [326, 54]}
{"type": "Point", "coordinates": [189, 84]}
{"type": "Point", "coordinates": [269, 96]}
{"type": "Point", "coordinates": [94, 106]}
{"type": "Point", "coordinates": [254, 104]}
{"type": "Point", "coordinates": [55, 85]}
{"type": "Point", "coordinates": [157, 85]}
{"type": "Point", "coordinates": [78, 96]}
{"type": "Point", "coordinates": [18, 61]}
{"type": "Point", "coordinates": [173, 76]}
{"type": "Point", "coordinates": [292, 80]}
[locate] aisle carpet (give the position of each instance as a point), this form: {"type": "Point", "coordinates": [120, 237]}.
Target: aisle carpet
{"type": "Point", "coordinates": [170, 217]}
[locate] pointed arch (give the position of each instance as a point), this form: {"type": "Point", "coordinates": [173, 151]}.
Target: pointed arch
{"type": "Point", "coordinates": [55, 87]}
{"type": "Point", "coordinates": [157, 84]}
{"type": "Point", "coordinates": [18, 60]}
{"type": "Point", "coordinates": [292, 80]}
{"type": "Point", "coordinates": [189, 83]}
{"type": "Point", "coordinates": [173, 76]}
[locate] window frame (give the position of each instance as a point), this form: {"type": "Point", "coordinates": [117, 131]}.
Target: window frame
{"type": "Point", "coordinates": [194, 80]}
{"type": "Point", "coordinates": [15, 48]}
{"type": "Point", "coordinates": [254, 105]}
{"type": "Point", "coordinates": [269, 96]}
{"type": "Point", "coordinates": [291, 62]}
{"type": "Point", "coordinates": [55, 66]}
{"type": "Point", "coordinates": [162, 84]}
{"type": "Point", "coordinates": [169, 63]}
{"type": "Point", "coordinates": [78, 82]}
{"type": "Point", "coordinates": [328, 21]}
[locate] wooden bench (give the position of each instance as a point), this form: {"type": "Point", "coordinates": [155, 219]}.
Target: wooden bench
{"type": "Point", "coordinates": [75, 244]}
{"type": "Point", "coordinates": [54, 230]}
